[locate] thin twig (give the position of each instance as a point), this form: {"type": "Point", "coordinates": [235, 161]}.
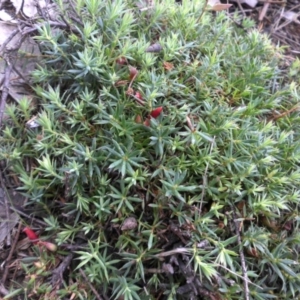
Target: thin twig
{"type": "Point", "coordinates": [141, 102]}
{"type": "Point", "coordinates": [36, 27]}
{"type": "Point", "coordinates": [241, 8]}
{"type": "Point", "coordinates": [284, 39]}
{"type": "Point", "coordinates": [40, 10]}
{"type": "Point", "coordinates": [242, 257]}
{"type": "Point", "coordinates": [20, 75]}
{"type": "Point", "coordinates": [276, 117]}
{"type": "Point", "coordinates": [263, 11]}
{"type": "Point", "coordinates": [3, 290]}
{"type": "Point", "coordinates": [77, 20]}
{"type": "Point", "coordinates": [32, 220]}
{"type": "Point", "coordinates": [205, 176]}
{"type": "Point", "coordinates": [89, 284]}
{"type": "Point", "coordinates": [5, 194]}
{"type": "Point", "coordinates": [11, 252]}
{"type": "Point", "coordinates": [203, 10]}
{"type": "Point", "coordinates": [66, 22]}
{"type": "Point", "coordinates": [285, 23]}
{"type": "Point", "coordinates": [57, 274]}
{"type": "Point", "coordinates": [228, 270]}
{"type": "Point", "coordinates": [172, 252]}
{"type": "Point", "coordinates": [10, 37]}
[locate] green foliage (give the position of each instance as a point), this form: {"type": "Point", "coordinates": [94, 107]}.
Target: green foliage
{"type": "Point", "coordinates": [223, 148]}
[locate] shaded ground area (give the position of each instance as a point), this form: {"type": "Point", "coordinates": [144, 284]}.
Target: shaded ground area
{"type": "Point", "coordinates": [279, 19]}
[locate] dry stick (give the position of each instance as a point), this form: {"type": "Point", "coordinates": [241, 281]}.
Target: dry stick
{"type": "Point", "coordinates": [10, 37]}
{"type": "Point", "coordinates": [7, 74]}
{"type": "Point", "coordinates": [284, 38]}
{"type": "Point", "coordinates": [203, 10]}
{"type": "Point", "coordinates": [205, 177]}
{"type": "Point", "coordinates": [276, 23]}
{"type": "Point", "coordinates": [76, 20]}
{"type": "Point", "coordinates": [36, 27]}
{"type": "Point", "coordinates": [12, 249]}
{"type": "Point", "coordinates": [235, 274]}
{"type": "Point", "coordinates": [40, 10]}
{"type": "Point", "coordinates": [263, 11]}
{"type": "Point", "coordinates": [76, 13]}
{"type": "Point", "coordinates": [242, 257]}
{"type": "Point", "coordinates": [66, 22]}
{"type": "Point", "coordinates": [141, 102]}
{"type": "Point", "coordinates": [3, 290]}
{"type": "Point", "coordinates": [5, 90]}
{"type": "Point", "coordinates": [33, 220]}
{"type": "Point", "coordinates": [275, 118]}
{"type": "Point", "coordinates": [288, 21]}
{"type": "Point", "coordinates": [5, 194]}
{"type": "Point", "coordinates": [180, 250]}
{"type": "Point", "coordinates": [89, 284]}
{"type": "Point", "coordinates": [11, 252]}
{"type": "Point", "coordinates": [57, 274]}
{"type": "Point", "coordinates": [20, 75]}
{"type": "Point", "coordinates": [241, 8]}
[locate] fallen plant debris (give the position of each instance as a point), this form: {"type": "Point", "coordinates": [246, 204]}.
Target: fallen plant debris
{"type": "Point", "coordinates": [278, 19]}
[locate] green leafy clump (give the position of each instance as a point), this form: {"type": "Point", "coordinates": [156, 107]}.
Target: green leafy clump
{"type": "Point", "coordinates": [162, 211]}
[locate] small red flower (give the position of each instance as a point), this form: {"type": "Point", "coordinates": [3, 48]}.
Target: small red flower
{"type": "Point", "coordinates": [138, 119]}
{"type": "Point", "coordinates": [121, 60]}
{"type": "Point", "coordinates": [156, 112]}
{"type": "Point", "coordinates": [133, 72]}
{"type": "Point", "coordinates": [31, 235]}
{"type": "Point", "coordinates": [138, 95]}
{"type": "Point", "coordinates": [147, 122]}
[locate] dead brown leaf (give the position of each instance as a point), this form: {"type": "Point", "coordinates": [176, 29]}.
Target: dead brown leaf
{"type": "Point", "coordinates": [130, 91]}
{"type": "Point", "coordinates": [121, 83]}
{"type": "Point", "coordinates": [220, 7]}
{"type": "Point", "coordinates": [133, 72]}
{"type": "Point", "coordinates": [168, 66]}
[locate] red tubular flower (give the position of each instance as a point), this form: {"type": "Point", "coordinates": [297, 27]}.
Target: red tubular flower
{"type": "Point", "coordinates": [147, 122]}
{"type": "Point", "coordinates": [31, 235]}
{"type": "Point", "coordinates": [138, 119]}
{"type": "Point", "coordinates": [50, 246]}
{"type": "Point", "coordinates": [156, 112]}
{"type": "Point", "coordinates": [133, 72]}
{"type": "Point", "coordinates": [138, 95]}
{"type": "Point", "coordinates": [121, 60]}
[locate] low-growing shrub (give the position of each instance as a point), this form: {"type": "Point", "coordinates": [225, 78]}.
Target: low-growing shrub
{"type": "Point", "coordinates": [198, 199]}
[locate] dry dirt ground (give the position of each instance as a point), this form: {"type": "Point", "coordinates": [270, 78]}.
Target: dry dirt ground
{"type": "Point", "coordinates": [280, 19]}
